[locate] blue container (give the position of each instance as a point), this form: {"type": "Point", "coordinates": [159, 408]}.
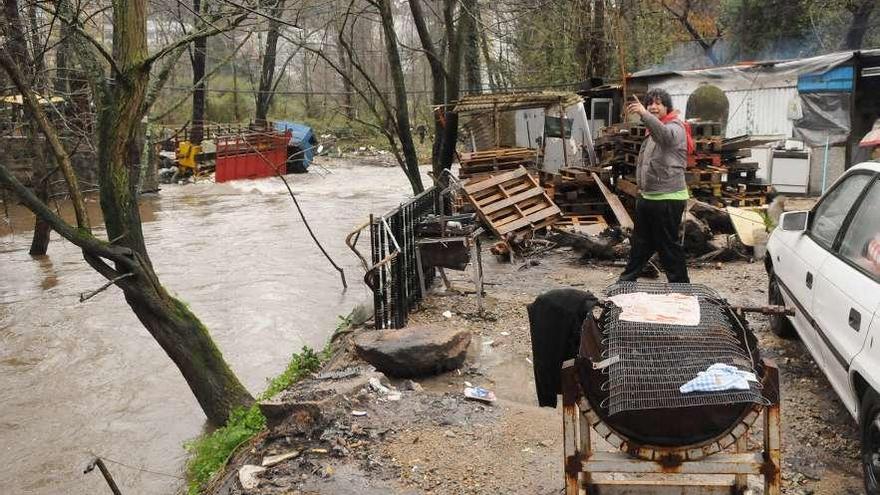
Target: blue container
{"type": "Point", "coordinates": [302, 137]}
{"type": "Point", "coordinates": [838, 79]}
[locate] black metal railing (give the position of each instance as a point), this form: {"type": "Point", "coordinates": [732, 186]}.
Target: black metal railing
{"type": "Point", "coordinates": [396, 286]}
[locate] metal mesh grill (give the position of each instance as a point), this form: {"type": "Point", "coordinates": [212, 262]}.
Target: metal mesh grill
{"type": "Point", "coordinates": [656, 359]}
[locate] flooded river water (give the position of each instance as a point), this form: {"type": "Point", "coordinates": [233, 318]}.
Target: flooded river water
{"type": "Point", "coordinates": [78, 379]}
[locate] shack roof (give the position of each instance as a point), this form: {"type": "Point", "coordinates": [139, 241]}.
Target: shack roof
{"type": "Point", "coordinates": [504, 102]}
{"type": "Point", "coordinates": [783, 68]}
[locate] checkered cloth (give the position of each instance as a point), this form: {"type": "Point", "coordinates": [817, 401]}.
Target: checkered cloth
{"type": "Point", "coordinates": [719, 377]}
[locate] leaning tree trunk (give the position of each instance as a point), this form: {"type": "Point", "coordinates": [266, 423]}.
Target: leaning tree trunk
{"type": "Point", "coordinates": [177, 330]}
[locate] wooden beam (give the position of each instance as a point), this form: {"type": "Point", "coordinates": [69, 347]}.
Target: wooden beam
{"type": "Point", "coordinates": [616, 206]}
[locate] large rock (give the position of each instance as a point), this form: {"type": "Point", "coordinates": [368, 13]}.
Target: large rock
{"type": "Point", "coordinates": [417, 350]}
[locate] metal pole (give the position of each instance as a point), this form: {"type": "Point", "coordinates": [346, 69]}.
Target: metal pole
{"type": "Point", "coordinates": [105, 472]}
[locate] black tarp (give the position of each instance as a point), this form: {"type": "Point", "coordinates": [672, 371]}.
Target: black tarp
{"type": "Point", "coordinates": [826, 118]}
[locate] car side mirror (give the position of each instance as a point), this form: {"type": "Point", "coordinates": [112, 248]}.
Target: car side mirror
{"type": "Point", "coordinates": [794, 221]}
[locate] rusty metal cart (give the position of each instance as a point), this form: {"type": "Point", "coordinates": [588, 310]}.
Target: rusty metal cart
{"type": "Point", "coordinates": [663, 441]}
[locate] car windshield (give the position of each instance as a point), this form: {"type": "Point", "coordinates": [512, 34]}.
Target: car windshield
{"type": "Point", "coordinates": [861, 244]}
{"type": "Point", "coordinates": [834, 207]}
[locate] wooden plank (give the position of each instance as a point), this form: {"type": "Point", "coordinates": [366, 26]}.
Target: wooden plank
{"type": "Point", "coordinates": [528, 193]}
{"type": "Point", "coordinates": [498, 179]}
{"type": "Point", "coordinates": [627, 187]}
{"type": "Point", "coordinates": [616, 206]}
{"type": "Point", "coordinates": [522, 222]}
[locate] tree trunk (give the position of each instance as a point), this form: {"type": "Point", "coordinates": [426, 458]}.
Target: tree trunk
{"type": "Point", "coordinates": [598, 48]}
{"type": "Point", "coordinates": [473, 75]}
{"type": "Point", "coordinates": [438, 85]}
{"type": "Point", "coordinates": [267, 74]}
{"type": "Point", "coordinates": [404, 132]}
{"type": "Point", "coordinates": [347, 90]}
{"type": "Point", "coordinates": [453, 69]}
{"type": "Point", "coordinates": [199, 57]}
{"type": "Point", "coordinates": [858, 26]}
{"type": "Point", "coordinates": [17, 44]}
{"type": "Point", "coordinates": [307, 86]}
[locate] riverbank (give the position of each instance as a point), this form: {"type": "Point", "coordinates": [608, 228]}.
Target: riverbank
{"type": "Point", "coordinates": [426, 437]}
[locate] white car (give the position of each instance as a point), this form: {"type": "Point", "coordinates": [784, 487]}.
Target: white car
{"type": "Point", "coordinates": [825, 264]}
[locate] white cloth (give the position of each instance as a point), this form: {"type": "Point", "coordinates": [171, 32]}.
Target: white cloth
{"type": "Point", "coordinates": [670, 309]}
{"type": "Point", "coordinates": [719, 377]}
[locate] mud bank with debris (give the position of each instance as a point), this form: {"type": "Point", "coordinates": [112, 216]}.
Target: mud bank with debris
{"type": "Point", "coordinates": [349, 429]}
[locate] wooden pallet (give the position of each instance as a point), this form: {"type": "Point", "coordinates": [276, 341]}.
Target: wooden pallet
{"type": "Point", "coordinates": [580, 220]}
{"type": "Point", "coordinates": [512, 203]}
{"type": "Point", "coordinates": [737, 200]}
{"type": "Point", "coordinates": [704, 160]}
{"type": "Point", "coordinates": [582, 224]}
{"type": "Point", "coordinates": [491, 168]}
{"type": "Point", "coordinates": [497, 155]}
{"type": "Point", "coordinates": [708, 145]}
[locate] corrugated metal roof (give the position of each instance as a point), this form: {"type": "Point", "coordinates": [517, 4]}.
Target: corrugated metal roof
{"type": "Point", "coordinates": [504, 102]}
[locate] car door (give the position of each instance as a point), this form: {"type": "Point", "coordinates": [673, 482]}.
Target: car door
{"type": "Point", "coordinates": [846, 291]}
{"type": "Point", "coordinates": [806, 252]}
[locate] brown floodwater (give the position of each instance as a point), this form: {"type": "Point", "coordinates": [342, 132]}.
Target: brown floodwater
{"type": "Point", "coordinates": [79, 379]}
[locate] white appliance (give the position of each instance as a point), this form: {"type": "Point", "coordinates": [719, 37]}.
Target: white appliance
{"type": "Point", "coordinates": [790, 171]}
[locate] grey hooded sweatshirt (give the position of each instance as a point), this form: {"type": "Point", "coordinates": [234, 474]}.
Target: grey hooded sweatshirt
{"type": "Point", "coordinates": [663, 157]}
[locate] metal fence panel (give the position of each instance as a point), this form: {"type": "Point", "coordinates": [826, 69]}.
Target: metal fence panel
{"type": "Point", "coordinates": [397, 282]}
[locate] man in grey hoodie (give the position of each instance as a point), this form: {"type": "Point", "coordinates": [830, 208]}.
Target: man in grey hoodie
{"type": "Point", "coordinates": [664, 193]}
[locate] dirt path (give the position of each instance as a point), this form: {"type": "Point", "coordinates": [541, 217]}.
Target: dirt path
{"type": "Point", "coordinates": [434, 441]}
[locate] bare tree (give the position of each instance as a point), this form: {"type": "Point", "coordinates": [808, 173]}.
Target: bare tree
{"type": "Point", "coordinates": [122, 98]}
{"type": "Point", "coordinates": [445, 75]}
{"type": "Point", "coordinates": [18, 47]}
{"type": "Point", "coordinates": [685, 11]}
{"type": "Point", "coordinates": [198, 57]}
{"type": "Point", "coordinates": [858, 26]}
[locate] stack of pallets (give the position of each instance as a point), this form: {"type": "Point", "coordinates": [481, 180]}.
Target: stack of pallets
{"type": "Point", "coordinates": [512, 203]}
{"type": "Point", "coordinates": [576, 193]}
{"type": "Point", "coordinates": [491, 162]}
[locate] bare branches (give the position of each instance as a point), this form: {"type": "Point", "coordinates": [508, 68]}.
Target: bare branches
{"type": "Point", "coordinates": [186, 40]}
{"type": "Point", "coordinates": [61, 156]}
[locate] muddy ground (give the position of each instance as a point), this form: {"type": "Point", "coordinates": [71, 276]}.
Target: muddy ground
{"type": "Point", "coordinates": [434, 441]}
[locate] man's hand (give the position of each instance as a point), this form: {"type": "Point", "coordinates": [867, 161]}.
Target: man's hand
{"type": "Point", "coordinates": [636, 106]}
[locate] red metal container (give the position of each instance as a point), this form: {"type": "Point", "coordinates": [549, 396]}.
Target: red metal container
{"type": "Point", "coordinates": [250, 156]}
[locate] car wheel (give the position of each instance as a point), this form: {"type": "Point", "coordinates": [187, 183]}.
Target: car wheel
{"type": "Point", "coordinates": [870, 425]}
{"type": "Point", "coordinates": [779, 324]}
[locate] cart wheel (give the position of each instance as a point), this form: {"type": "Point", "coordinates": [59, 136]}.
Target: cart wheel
{"type": "Point", "coordinates": [779, 324]}
{"type": "Point", "coordinates": [870, 425]}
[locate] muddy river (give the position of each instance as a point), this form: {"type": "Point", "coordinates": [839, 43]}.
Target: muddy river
{"type": "Point", "coordinates": [79, 379]}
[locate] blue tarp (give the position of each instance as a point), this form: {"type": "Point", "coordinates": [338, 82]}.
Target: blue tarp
{"type": "Point", "coordinates": [302, 136]}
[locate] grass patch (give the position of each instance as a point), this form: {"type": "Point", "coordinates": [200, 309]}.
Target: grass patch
{"type": "Point", "coordinates": [210, 452]}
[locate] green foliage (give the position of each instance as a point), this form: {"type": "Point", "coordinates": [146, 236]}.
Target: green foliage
{"type": "Point", "coordinates": [300, 365]}
{"type": "Point", "coordinates": [210, 452]}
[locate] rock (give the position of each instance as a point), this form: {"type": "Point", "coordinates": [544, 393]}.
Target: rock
{"type": "Point", "coordinates": [418, 350]}
{"type": "Point", "coordinates": [696, 236]}
{"type": "Point", "coordinates": [411, 385]}
{"type": "Point", "coordinates": [247, 475]}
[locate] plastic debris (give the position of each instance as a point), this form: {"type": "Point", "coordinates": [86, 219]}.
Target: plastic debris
{"type": "Point", "coordinates": [247, 475]}
{"type": "Point", "coordinates": [480, 394]}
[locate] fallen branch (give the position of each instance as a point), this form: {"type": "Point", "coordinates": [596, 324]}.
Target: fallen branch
{"type": "Point", "coordinates": [85, 296]}
{"type": "Point", "coordinates": [301, 214]}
